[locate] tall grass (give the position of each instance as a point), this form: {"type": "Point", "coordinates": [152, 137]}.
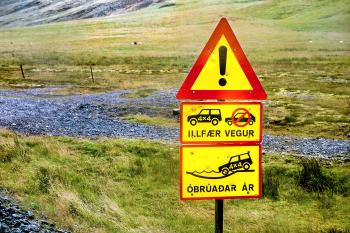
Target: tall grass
{"type": "Point", "coordinates": [133, 186]}
{"type": "Point", "coordinates": [43, 178]}
{"type": "Point", "coordinates": [271, 182]}
{"type": "Point", "coordinates": [12, 150]}
{"type": "Point", "coordinates": [313, 178]}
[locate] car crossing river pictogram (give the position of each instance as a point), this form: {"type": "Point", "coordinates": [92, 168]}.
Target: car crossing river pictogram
{"type": "Point", "coordinates": [237, 163]}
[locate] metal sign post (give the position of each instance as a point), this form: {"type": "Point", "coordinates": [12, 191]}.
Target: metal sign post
{"type": "Point", "coordinates": [219, 216]}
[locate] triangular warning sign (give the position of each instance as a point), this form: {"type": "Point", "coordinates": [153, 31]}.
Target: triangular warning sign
{"type": "Point", "coordinates": [222, 71]}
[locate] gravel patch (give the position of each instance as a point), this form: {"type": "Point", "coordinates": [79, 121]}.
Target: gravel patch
{"type": "Point", "coordinates": [41, 111]}
{"type": "Point", "coordinates": [15, 220]}
{"type": "Point", "coordinates": [35, 111]}
{"type": "Point", "coordinates": [315, 147]}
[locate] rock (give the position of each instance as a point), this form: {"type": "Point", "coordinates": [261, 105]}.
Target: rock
{"type": "Point", "coordinates": [43, 222]}
{"type": "Point", "coordinates": [30, 215]}
{"type": "Point", "coordinates": [17, 224]}
{"type": "Point", "coordinates": [176, 112]}
{"type": "Point", "coordinates": [16, 215]}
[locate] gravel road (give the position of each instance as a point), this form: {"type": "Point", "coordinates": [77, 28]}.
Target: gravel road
{"type": "Point", "coordinates": [41, 111]}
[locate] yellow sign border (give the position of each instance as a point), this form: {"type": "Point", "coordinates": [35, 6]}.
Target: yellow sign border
{"type": "Point", "coordinates": [220, 141]}
{"type": "Point", "coordinates": [221, 197]}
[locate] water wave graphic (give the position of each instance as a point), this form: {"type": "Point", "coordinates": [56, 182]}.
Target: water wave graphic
{"type": "Point", "coordinates": [204, 171]}
{"type": "Point", "coordinates": [197, 174]}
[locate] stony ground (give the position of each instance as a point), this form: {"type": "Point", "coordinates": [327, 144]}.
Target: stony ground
{"type": "Point", "coordinates": [39, 111]}
{"type": "Point", "coordinates": [43, 111]}
{"type": "Point", "coordinates": [15, 220]}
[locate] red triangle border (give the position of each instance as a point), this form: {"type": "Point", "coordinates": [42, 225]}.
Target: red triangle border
{"type": "Point", "coordinates": [258, 92]}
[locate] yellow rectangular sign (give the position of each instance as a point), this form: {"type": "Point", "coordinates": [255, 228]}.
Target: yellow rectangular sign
{"type": "Point", "coordinates": [205, 122]}
{"type": "Point", "coordinates": [220, 172]}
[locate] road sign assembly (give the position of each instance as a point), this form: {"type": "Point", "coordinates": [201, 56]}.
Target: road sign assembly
{"type": "Point", "coordinates": [221, 125]}
{"type": "Point", "coordinates": [212, 171]}
{"type": "Point", "coordinates": [204, 122]}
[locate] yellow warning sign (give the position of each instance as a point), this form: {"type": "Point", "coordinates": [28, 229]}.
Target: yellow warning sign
{"type": "Point", "coordinates": [222, 62]}
{"type": "Point", "coordinates": [217, 172]}
{"type": "Point", "coordinates": [222, 71]}
{"type": "Point", "coordinates": [221, 122]}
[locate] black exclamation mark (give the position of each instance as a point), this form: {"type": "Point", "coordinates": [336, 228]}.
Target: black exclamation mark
{"type": "Point", "coordinates": [222, 61]}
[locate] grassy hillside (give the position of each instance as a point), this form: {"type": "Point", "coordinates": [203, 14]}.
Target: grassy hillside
{"type": "Point", "coordinates": [313, 15]}
{"type": "Point", "coordinates": [181, 30]}
{"type": "Point", "coordinates": [132, 186]}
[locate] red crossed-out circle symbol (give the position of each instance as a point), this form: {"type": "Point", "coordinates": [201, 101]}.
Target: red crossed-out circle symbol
{"type": "Point", "coordinates": [240, 121]}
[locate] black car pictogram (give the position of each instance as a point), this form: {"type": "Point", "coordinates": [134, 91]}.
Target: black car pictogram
{"type": "Point", "coordinates": [228, 120]}
{"type": "Point", "coordinates": [236, 162]}
{"type": "Point", "coordinates": [206, 115]}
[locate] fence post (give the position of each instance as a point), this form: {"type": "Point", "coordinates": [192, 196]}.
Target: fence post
{"type": "Point", "coordinates": [21, 66]}
{"type": "Point", "coordinates": [92, 74]}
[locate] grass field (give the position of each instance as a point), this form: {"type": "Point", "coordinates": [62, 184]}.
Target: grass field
{"type": "Point", "coordinates": [299, 50]}
{"type": "Point", "coordinates": [132, 186]}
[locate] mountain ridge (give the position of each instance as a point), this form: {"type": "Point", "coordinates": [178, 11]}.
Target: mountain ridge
{"type": "Point", "coordinates": [14, 13]}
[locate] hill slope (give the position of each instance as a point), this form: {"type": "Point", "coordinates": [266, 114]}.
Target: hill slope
{"type": "Point", "coordinates": [15, 13]}
{"type": "Point", "coordinates": [312, 15]}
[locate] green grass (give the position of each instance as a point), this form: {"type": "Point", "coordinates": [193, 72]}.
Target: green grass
{"type": "Point", "coordinates": [141, 93]}
{"type": "Point", "coordinates": [156, 120]}
{"type": "Point", "coordinates": [312, 15]}
{"type": "Point", "coordinates": [309, 100]}
{"type": "Point", "coordinates": [77, 79]}
{"type": "Point", "coordinates": [133, 186]}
